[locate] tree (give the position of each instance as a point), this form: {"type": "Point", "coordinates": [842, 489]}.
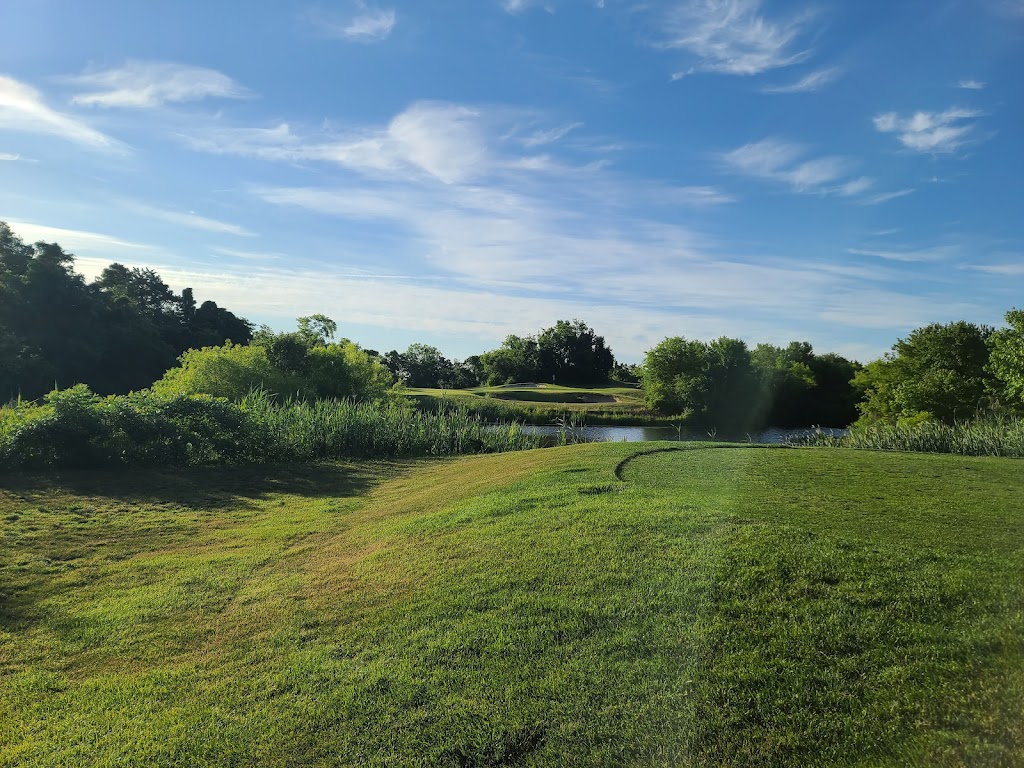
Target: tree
{"type": "Point", "coordinates": [425, 366]}
{"type": "Point", "coordinates": [231, 371]}
{"type": "Point", "coordinates": [675, 376]}
{"type": "Point", "coordinates": [1006, 361]}
{"type": "Point", "coordinates": [516, 360]}
{"type": "Point", "coordinates": [572, 354]}
{"type": "Point", "coordinates": [938, 372]}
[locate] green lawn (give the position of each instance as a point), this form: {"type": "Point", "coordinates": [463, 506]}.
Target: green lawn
{"type": "Point", "coordinates": [701, 606]}
{"type": "Point", "coordinates": [616, 403]}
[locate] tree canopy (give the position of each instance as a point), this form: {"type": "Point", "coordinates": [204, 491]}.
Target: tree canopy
{"type": "Point", "coordinates": [116, 334]}
{"type": "Point", "coordinates": [938, 372]}
{"type": "Point", "coordinates": [568, 353]}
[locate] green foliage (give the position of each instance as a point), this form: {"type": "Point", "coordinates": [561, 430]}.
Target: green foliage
{"type": "Point", "coordinates": [568, 354]}
{"type": "Point", "coordinates": [939, 370]}
{"type": "Point", "coordinates": [516, 360]}
{"type": "Point", "coordinates": [75, 428]}
{"type": "Point", "coordinates": [231, 371]}
{"type": "Point", "coordinates": [118, 334]}
{"type": "Point", "coordinates": [723, 384]}
{"type": "Point", "coordinates": [1006, 361]}
{"type": "Point", "coordinates": [301, 364]}
{"type": "Point", "coordinates": [986, 436]}
{"type": "Point", "coordinates": [572, 354]}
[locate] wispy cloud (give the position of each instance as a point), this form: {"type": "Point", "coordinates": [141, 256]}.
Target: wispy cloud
{"type": "Point", "coordinates": [783, 161]}
{"type": "Point", "coordinates": [72, 239]}
{"type": "Point", "coordinates": [971, 85]}
{"type": "Point", "coordinates": [438, 140]}
{"type": "Point", "coordinates": [9, 157]}
{"type": "Point", "coordinates": [885, 197]}
{"type": "Point", "coordinates": [191, 220]}
{"type": "Point", "coordinates": [248, 255]}
{"type": "Point", "coordinates": [813, 81]}
{"type": "Point", "coordinates": [930, 132]}
{"type": "Point", "coordinates": [939, 253]}
{"type": "Point", "coordinates": [22, 109]}
{"type": "Point", "coordinates": [549, 136]}
{"type": "Point", "coordinates": [733, 36]}
{"type": "Point", "coordinates": [518, 6]}
{"type": "Point", "coordinates": [147, 84]}
{"type": "Point", "coordinates": [1006, 270]}
{"type": "Point", "coordinates": [368, 25]}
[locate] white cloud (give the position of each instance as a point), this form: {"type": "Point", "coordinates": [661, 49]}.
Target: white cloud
{"type": "Point", "coordinates": [886, 197]}
{"type": "Point", "coordinates": [813, 81]}
{"type": "Point", "coordinates": [153, 84]}
{"type": "Point", "coordinates": [971, 85]}
{"type": "Point", "coordinates": [22, 109]}
{"type": "Point", "coordinates": [191, 220]}
{"type": "Point", "coordinates": [778, 160]}
{"type": "Point", "coordinates": [549, 136]}
{"type": "Point", "coordinates": [72, 239]}
{"type": "Point", "coordinates": [1006, 270]}
{"type": "Point", "coordinates": [248, 255]}
{"type": "Point", "coordinates": [732, 36]}
{"type": "Point", "coordinates": [368, 25]}
{"type": "Point", "coordinates": [939, 253]}
{"type": "Point", "coordinates": [930, 132]}
{"type": "Point", "coordinates": [9, 157]}
{"type": "Point", "coordinates": [438, 140]}
{"type": "Point", "coordinates": [518, 6]}
{"type": "Point", "coordinates": [856, 186]}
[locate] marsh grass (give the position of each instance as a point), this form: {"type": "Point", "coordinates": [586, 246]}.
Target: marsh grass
{"type": "Point", "coordinates": [76, 429]}
{"type": "Point", "coordinates": [991, 436]}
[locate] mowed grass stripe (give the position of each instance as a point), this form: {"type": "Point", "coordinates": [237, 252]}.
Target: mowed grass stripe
{"type": "Point", "coordinates": [714, 607]}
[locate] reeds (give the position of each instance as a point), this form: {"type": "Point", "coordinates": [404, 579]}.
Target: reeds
{"type": "Point", "coordinates": [76, 428]}
{"type": "Point", "coordinates": [987, 436]}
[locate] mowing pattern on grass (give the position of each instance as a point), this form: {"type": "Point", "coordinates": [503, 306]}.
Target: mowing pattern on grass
{"type": "Point", "coordinates": [712, 607]}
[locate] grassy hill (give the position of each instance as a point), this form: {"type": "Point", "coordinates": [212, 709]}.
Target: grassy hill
{"type": "Point", "coordinates": [582, 605]}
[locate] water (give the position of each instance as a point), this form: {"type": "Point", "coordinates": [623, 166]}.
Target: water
{"type": "Point", "coordinates": [601, 434]}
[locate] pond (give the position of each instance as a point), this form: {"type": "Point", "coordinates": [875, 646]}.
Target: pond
{"type": "Point", "coordinates": [606, 434]}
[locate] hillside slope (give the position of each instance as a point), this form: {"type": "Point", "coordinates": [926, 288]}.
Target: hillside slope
{"type": "Point", "coordinates": [581, 605]}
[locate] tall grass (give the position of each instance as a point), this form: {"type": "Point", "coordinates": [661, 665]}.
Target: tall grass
{"type": "Point", "coordinates": [989, 436]}
{"type": "Point", "coordinates": [497, 410]}
{"type": "Point", "coordinates": [75, 428]}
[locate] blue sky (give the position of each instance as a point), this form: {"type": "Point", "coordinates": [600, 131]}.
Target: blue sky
{"type": "Point", "coordinates": [454, 171]}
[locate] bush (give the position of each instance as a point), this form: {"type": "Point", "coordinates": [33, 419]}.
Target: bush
{"type": "Point", "coordinates": [74, 428]}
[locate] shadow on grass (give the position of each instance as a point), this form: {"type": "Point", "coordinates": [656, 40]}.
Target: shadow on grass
{"type": "Point", "coordinates": [205, 488]}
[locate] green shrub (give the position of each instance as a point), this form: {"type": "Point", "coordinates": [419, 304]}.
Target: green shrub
{"type": "Point", "coordinates": [75, 428]}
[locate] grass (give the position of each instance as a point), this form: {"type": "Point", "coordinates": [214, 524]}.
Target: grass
{"type": "Point", "coordinates": [585, 605]}
{"type": "Point", "coordinates": [76, 428]}
{"type": "Point", "coordinates": [986, 436]}
{"type": "Point", "coordinates": [620, 404]}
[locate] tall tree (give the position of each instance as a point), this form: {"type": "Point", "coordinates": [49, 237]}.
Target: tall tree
{"type": "Point", "coordinates": [938, 372]}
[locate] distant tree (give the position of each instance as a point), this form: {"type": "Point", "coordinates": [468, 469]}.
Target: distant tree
{"type": "Point", "coordinates": [626, 373]}
{"type": "Point", "coordinates": [317, 329]}
{"type": "Point", "coordinates": [572, 354]}
{"type": "Point", "coordinates": [474, 368]}
{"type": "Point", "coordinates": [938, 372]}
{"type": "Point", "coordinates": [425, 366]}
{"type": "Point", "coordinates": [516, 360]}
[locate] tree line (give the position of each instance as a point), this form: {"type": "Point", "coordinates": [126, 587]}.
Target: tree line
{"type": "Point", "coordinates": [127, 330]}
{"type": "Point", "coordinates": [119, 333]}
